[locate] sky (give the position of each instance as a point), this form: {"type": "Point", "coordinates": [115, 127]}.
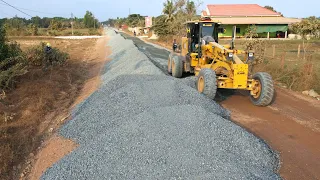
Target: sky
{"type": "Point", "coordinates": [105, 9]}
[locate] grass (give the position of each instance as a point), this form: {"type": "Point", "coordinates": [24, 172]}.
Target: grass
{"type": "Point", "coordinates": [64, 32]}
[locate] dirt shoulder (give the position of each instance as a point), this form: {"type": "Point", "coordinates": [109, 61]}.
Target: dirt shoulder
{"type": "Point", "coordinates": [57, 147]}
{"type": "Point", "coordinates": [43, 101]}
{"type": "Point", "coordinates": [290, 126]}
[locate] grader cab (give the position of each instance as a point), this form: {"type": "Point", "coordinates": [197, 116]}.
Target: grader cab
{"type": "Point", "coordinates": [218, 66]}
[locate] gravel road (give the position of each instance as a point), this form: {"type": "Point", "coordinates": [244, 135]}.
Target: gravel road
{"type": "Point", "coordinates": [143, 124]}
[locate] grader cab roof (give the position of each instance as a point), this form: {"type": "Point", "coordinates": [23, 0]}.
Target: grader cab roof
{"type": "Point", "coordinates": [203, 20]}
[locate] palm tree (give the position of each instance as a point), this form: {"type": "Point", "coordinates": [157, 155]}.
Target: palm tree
{"type": "Point", "coordinates": [169, 10]}
{"type": "Point", "coordinates": [190, 9]}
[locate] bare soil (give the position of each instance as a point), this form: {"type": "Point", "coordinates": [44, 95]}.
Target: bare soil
{"type": "Point", "coordinates": [291, 126]}
{"type": "Point", "coordinates": [54, 149]}
{"type": "Point", "coordinates": [41, 102]}
{"type": "Point", "coordinates": [57, 147]}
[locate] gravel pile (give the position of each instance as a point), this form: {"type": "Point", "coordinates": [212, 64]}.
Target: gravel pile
{"type": "Point", "coordinates": [158, 56]}
{"type": "Point", "coordinates": [142, 124]}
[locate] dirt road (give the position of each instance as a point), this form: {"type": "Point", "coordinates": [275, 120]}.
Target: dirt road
{"type": "Point", "coordinates": [291, 125]}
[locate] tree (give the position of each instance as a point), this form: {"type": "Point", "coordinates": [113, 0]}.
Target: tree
{"type": "Point", "coordinates": [169, 10]}
{"type": "Point", "coordinates": [119, 22]}
{"type": "Point", "coordinates": [33, 29]}
{"type": "Point", "coordinates": [161, 27]}
{"type": "Point", "coordinates": [251, 32]}
{"type": "Point", "coordinates": [190, 9]}
{"type": "Point", "coordinates": [272, 9]}
{"type": "Point", "coordinates": [308, 26]}
{"type": "Point", "coordinates": [45, 23]}
{"type": "Point", "coordinates": [171, 23]}
{"type": "Point", "coordinates": [135, 20]}
{"type": "Point", "coordinates": [3, 45]}
{"type": "Point", "coordinates": [12, 61]}
{"type": "Point", "coordinates": [36, 21]}
{"type": "Point", "coordinates": [55, 25]}
{"type": "Point", "coordinates": [16, 23]}
{"type": "Point", "coordinates": [89, 20]}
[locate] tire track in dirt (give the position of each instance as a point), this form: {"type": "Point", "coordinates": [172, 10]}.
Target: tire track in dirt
{"type": "Point", "coordinates": [290, 126]}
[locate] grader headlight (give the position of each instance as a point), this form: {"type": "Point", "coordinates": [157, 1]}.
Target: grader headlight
{"type": "Point", "coordinates": [250, 56]}
{"type": "Point", "coordinates": [230, 56]}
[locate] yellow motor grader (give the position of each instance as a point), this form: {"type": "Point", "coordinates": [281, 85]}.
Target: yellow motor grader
{"type": "Point", "coordinates": [218, 66]}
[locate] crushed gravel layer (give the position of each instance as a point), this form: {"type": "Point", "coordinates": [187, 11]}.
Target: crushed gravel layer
{"type": "Point", "coordinates": [143, 124]}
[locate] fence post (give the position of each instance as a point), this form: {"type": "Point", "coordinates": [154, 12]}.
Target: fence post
{"type": "Point", "coordinates": [274, 51]}
{"type": "Point", "coordinates": [299, 51]}
{"type": "Point", "coordinates": [265, 51]}
{"type": "Point", "coordinates": [283, 60]}
{"type": "Point", "coordinates": [310, 64]}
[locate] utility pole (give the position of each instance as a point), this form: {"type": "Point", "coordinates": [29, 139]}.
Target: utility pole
{"type": "Point", "coordinates": [72, 23]}
{"type": "Point", "coordinates": [129, 11]}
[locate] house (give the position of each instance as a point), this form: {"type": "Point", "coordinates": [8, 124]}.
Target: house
{"type": "Point", "coordinates": [269, 24]}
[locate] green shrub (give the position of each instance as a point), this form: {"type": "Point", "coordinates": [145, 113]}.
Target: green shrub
{"type": "Point", "coordinates": [94, 32]}
{"type": "Point", "coordinates": [54, 33]}
{"type": "Point", "coordinates": [77, 33]}
{"type": "Point", "coordinates": [38, 57]}
{"type": "Point", "coordinates": [10, 68]}
{"type": "Point", "coordinates": [12, 62]}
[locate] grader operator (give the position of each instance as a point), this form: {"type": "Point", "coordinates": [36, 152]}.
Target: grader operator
{"type": "Point", "coordinates": [218, 66]}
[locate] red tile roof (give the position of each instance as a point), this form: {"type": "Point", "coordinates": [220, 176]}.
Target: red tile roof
{"type": "Point", "coordinates": [255, 20]}
{"type": "Point", "coordinates": [239, 10]}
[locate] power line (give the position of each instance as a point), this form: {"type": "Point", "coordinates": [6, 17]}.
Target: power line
{"type": "Point", "coordinates": [15, 8]}
{"type": "Point", "coordinates": [42, 12]}
{"type": "Point", "coordinates": [37, 11]}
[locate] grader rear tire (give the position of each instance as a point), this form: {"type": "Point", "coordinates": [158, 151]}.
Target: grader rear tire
{"type": "Point", "coordinates": [177, 67]}
{"type": "Point", "coordinates": [266, 90]}
{"type": "Point", "coordinates": [207, 83]}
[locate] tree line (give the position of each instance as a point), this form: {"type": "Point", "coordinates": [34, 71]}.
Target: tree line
{"type": "Point", "coordinates": [133, 20]}
{"type": "Point", "coordinates": [170, 23]}
{"type": "Point", "coordinates": [18, 25]}
{"type": "Point", "coordinates": [308, 26]}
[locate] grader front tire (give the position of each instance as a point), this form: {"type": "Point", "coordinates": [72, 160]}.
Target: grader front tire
{"type": "Point", "coordinates": [265, 90]}
{"type": "Point", "coordinates": [207, 83]}
{"type": "Point", "coordinates": [177, 67]}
